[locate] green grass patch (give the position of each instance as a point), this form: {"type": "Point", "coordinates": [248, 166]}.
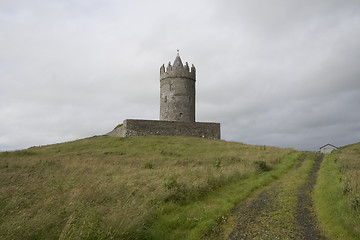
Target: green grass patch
{"type": "Point", "coordinates": [119, 125]}
{"type": "Point", "coordinates": [339, 220]}
{"type": "Point", "coordinates": [279, 219]}
{"type": "Point", "coordinates": [203, 217]}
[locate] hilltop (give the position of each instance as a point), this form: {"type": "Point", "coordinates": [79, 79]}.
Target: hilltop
{"type": "Point", "coordinates": [109, 187]}
{"type": "Point", "coordinates": [158, 187]}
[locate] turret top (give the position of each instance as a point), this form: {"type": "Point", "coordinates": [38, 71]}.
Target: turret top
{"type": "Point", "coordinates": [177, 61]}
{"type": "Point", "coordinates": [177, 69]}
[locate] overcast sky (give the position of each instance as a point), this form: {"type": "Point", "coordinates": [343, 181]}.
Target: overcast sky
{"type": "Point", "coordinates": [284, 73]}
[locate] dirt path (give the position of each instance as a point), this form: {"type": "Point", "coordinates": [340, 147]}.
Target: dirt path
{"type": "Point", "coordinates": [284, 210]}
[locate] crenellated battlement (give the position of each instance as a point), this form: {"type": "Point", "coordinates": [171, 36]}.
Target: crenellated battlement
{"type": "Point", "coordinates": [178, 70]}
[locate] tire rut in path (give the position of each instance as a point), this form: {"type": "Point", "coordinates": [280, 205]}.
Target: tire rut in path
{"type": "Point", "coordinates": [280, 211]}
{"type": "Point", "coordinates": [304, 211]}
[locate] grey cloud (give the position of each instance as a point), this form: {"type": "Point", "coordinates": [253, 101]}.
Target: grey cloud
{"type": "Point", "coordinates": [282, 73]}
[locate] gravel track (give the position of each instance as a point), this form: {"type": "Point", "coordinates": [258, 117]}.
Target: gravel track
{"type": "Point", "coordinates": [281, 211]}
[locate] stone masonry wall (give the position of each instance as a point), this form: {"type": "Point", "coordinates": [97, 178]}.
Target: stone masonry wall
{"type": "Point", "coordinates": [133, 127]}
{"type": "Point", "coordinates": [177, 99]}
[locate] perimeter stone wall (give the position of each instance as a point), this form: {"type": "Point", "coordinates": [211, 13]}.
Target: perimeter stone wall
{"type": "Point", "coordinates": [132, 127]}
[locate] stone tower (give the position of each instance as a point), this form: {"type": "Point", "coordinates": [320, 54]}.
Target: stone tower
{"type": "Point", "coordinates": [177, 92]}
{"type": "Point", "coordinates": [177, 108]}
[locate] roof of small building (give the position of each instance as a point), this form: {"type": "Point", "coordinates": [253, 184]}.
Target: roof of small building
{"type": "Point", "coordinates": [328, 145]}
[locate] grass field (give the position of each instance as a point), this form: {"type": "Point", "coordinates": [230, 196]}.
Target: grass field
{"type": "Point", "coordinates": [337, 194]}
{"type": "Point", "coordinates": [126, 188]}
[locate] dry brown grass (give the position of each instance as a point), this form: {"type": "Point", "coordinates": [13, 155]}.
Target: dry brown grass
{"type": "Point", "coordinates": [106, 187]}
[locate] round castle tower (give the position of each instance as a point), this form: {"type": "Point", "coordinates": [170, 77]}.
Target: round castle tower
{"type": "Point", "coordinates": [177, 92]}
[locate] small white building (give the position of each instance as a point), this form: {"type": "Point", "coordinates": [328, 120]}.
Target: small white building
{"type": "Point", "coordinates": [328, 148]}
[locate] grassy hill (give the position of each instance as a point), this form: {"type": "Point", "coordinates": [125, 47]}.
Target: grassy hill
{"type": "Point", "coordinates": [337, 194]}
{"type": "Point", "coordinates": [131, 188]}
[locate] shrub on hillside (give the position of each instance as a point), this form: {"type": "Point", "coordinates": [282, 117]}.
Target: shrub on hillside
{"type": "Point", "coordinates": [262, 166]}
